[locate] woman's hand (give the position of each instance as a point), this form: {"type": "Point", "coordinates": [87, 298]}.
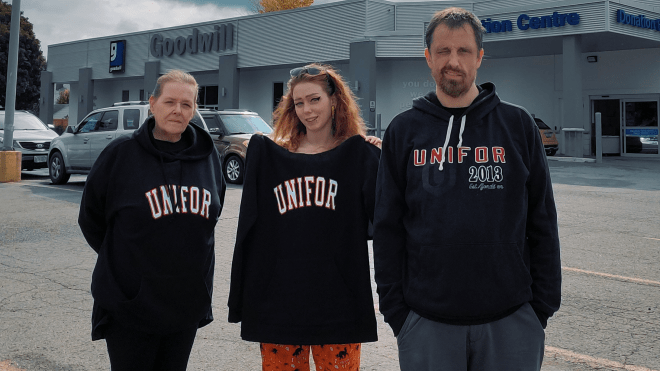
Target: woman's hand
{"type": "Point", "coordinates": [374, 140]}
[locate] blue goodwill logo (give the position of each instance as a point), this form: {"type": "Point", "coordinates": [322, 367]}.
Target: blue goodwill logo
{"type": "Point", "coordinates": [117, 56]}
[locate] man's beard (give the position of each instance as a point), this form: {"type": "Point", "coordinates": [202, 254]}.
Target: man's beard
{"type": "Point", "coordinates": [454, 87]}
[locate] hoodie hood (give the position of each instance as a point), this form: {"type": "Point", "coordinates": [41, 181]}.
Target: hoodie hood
{"type": "Point", "coordinates": [480, 106]}
{"type": "Point", "coordinates": [202, 143]}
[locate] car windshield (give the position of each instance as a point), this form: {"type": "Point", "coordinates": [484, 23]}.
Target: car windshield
{"type": "Point", "coordinates": [197, 120]}
{"type": "Point", "coordinates": [24, 122]}
{"type": "Point", "coordinates": [249, 124]}
{"type": "Point", "coordinates": [541, 124]}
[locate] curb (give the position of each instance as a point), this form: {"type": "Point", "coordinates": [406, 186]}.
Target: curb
{"type": "Point", "coordinates": [571, 159]}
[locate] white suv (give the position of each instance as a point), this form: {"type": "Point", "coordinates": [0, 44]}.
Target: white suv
{"type": "Point", "coordinates": [76, 150]}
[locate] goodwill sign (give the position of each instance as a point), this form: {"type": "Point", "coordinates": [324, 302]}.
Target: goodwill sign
{"type": "Point", "coordinates": [220, 39]}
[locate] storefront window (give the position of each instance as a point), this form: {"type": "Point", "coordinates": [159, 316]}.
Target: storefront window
{"type": "Point", "coordinates": [642, 127]}
{"type": "Point", "coordinates": [208, 96]}
{"type": "Point", "coordinates": [641, 114]}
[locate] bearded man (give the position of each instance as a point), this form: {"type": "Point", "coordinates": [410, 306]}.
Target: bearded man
{"type": "Point", "coordinates": [466, 245]}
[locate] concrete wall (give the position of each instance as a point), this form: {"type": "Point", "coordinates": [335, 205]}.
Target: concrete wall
{"type": "Point", "coordinates": [256, 88]}
{"type": "Point", "coordinates": [108, 92]}
{"type": "Point", "coordinates": [73, 104]}
{"type": "Point", "coordinates": [529, 82]}
{"type": "Point", "coordinates": [622, 72]}
{"type": "Point", "coordinates": [398, 82]}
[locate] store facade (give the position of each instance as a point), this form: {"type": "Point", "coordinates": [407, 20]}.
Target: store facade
{"type": "Point", "coordinates": [562, 60]}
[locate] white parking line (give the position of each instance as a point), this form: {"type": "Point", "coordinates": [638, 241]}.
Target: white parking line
{"type": "Point", "coordinates": [614, 276]}
{"type": "Point", "coordinates": [590, 361]}
{"type": "Point", "coordinates": [59, 188]}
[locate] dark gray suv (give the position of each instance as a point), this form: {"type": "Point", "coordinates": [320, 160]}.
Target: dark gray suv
{"type": "Point", "coordinates": [231, 131]}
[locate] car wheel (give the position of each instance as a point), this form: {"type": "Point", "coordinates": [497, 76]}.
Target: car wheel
{"type": "Point", "coordinates": [56, 169]}
{"type": "Point", "coordinates": [552, 152]}
{"type": "Point", "coordinates": [234, 170]}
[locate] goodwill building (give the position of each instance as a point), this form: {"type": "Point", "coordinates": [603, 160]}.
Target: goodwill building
{"type": "Point", "coordinates": [562, 60]}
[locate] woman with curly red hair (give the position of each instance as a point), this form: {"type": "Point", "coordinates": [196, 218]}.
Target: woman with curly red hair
{"type": "Point", "coordinates": [300, 274]}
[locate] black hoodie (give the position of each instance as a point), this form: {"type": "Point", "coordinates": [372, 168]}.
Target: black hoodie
{"type": "Point", "coordinates": [465, 221]}
{"type": "Point", "coordinates": [150, 215]}
{"type": "Point", "coordinates": [300, 273]}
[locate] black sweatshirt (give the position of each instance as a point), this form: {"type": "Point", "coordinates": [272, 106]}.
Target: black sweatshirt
{"type": "Point", "coordinates": [150, 216]}
{"type": "Point", "coordinates": [465, 227]}
{"type": "Point", "coordinates": [300, 273]}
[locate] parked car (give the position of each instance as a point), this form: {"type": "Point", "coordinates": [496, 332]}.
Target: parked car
{"type": "Point", "coordinates": [76, 150]}
{"type": "Point", "coordinates": [548, 136]}
{"type": "Point", "coordinates": [231, 131]}
{"type": "Point", "coordinates": [31, 136]}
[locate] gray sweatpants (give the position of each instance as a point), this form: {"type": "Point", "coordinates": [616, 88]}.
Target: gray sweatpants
{"type": "Point", "coordinates": [513, 343]}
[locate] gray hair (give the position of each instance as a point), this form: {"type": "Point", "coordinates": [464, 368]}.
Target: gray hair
{"type": "Point", "coordinates": [175, 76]}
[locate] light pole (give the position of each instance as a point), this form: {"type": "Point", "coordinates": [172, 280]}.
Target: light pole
{"type": "Point", "coordinates": [10, 160]}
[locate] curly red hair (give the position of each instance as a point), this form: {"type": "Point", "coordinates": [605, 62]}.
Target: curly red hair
{"type": "Point", "coordinates": [348, 122]}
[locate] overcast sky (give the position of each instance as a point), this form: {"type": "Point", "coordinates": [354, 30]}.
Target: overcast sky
{"type": "Point", "coordinates": [58, 21]}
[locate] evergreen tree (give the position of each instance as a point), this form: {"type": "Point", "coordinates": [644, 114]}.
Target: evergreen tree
{"type": "Point", "coordinates": [30, 62]}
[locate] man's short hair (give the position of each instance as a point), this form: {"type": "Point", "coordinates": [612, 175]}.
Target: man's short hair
{"type": "Point", "coordinates": [455, 18]}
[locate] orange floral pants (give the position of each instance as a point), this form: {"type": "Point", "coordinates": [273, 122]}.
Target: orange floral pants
{"type": "Point", "coordinates": [327, 357]}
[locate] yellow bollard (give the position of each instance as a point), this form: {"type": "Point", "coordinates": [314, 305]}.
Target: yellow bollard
{"type": "Point", "coordinates": [10, 166]}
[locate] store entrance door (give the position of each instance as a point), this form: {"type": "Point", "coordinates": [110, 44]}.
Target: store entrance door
{"type": "Point", "coordinates": [629, 123]}
{"type": "Point", "coordinates": [610, 112]}
{"type": "Point", "coordinates": [640, 126]}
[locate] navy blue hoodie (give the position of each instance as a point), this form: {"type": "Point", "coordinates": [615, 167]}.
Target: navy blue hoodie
{"type": "Point", "coordinates": [150, 215]}
{"type": "Point", "coordinates": [465, 226]}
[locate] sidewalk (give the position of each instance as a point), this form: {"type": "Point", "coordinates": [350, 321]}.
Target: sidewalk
{"type": "Point", "coordinates": [614, 172]}
{"type": "Point", "coordinates": [624, 161]}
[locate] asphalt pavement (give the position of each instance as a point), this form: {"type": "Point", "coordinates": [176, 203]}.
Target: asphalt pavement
{"type": "Point", "coordinates": [609, 218]}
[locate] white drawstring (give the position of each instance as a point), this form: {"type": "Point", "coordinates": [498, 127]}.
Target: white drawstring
{"type": "Point", "coordinates": [460, 133]}
{"type": "Point", "coordinates": [444, 147]}
{"type": "Point", "coordinates": [460, 138]}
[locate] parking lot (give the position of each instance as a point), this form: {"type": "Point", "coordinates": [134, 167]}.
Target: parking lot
{"type": "Point", "coordinates": [609, 218]}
